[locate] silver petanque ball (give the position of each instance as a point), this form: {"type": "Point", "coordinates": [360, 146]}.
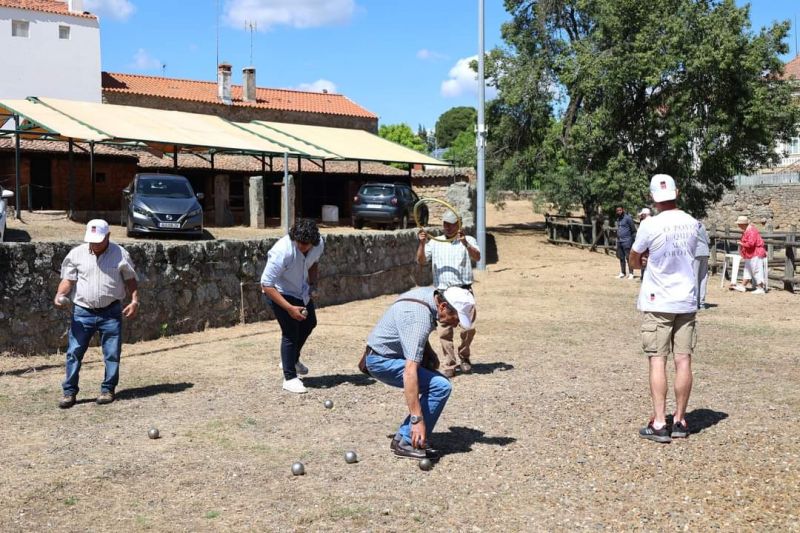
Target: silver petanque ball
{"type": "Point", "coordinates": [63, 300]}
{"type": "Point", "coordinates": [153, 433]}
{"type": "Point", "coordinates": [298, 469]}
{"type": "Point", "coordinates": [304, 311]}
{"type": "Point", "coordinates": [350, 457]}
{"type": "Point", "coordinates": [328, 404]}
{"type": "Point", "coordinates": [425, 464]}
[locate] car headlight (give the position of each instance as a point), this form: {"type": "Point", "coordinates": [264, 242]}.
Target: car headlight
{"type": "Point", "coordinates": [141, 210]}
{"type": "Point", "coordinates": [195, 212]}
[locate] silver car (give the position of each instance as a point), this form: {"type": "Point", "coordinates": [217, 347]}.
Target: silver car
{"type": "Point", "coordinates": [5, 197]}
{"type": "Point", "coordinates": [163, 203]}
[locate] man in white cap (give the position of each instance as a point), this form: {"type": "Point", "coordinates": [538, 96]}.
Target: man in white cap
{"type": "Point", "coordinates": [102, 276]}
{"type": "Point", "coordinates": [666, 244]}
{"type": "Point", "coordinates": [399, 355]}
{"type": "Point", "coordinates": [451, 261]}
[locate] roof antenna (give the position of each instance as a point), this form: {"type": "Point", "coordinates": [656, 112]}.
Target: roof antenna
{"type": "Point", "coordinates": [251, 27]}
{"type": "Point", "coordinates": [796, 51]}
{"type": "Point", "coordinates": [163, 70]}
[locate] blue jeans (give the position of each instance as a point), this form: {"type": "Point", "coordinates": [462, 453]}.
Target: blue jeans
{"type": "Point", "coordinates": [85, 322]}
{"type": "Point", "coordinates": [434, 390]}
{"type": "Point", "coordinates": [294, 333]}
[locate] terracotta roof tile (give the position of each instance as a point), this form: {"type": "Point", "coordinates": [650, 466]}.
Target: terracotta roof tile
{"type": "Point", "coordinates": [792, 69]}
{"type": "Point", "coordinates": [46, 6]}
{"type": "Point", "coordinates": [206, 91]}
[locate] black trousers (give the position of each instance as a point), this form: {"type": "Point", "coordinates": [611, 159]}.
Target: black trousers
{"type": "Point", "coordinates": [294, 333]}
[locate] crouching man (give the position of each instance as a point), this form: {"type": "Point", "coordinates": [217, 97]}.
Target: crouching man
{"type": "Point", "coordinates": [399, 355]}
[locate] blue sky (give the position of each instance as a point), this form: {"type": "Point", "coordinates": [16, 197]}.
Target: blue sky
{"type": "Point", "coordinates": [404, 60]}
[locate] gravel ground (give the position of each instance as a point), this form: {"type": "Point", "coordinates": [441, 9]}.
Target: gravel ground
{"type": "Point", "coordinates": [542, 436]}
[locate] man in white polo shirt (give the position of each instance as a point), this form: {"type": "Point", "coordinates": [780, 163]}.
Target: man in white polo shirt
{"type": "Point", "coordinates": [451, 261]}
{"type": "Point", "coordinates": [666, 244]}
{"type": "Point", "coordinates": [102, 275]}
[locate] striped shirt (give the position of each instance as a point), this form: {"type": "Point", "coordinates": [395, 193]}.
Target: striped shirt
{"type": "Point", "coordinates": [287, 268]}
{"type": "Point", "coordinates": [100, 280]}
{"type": "Point", "coordinates": [404, 328]}
{"type": "Point", "coordinates": [451, 264]}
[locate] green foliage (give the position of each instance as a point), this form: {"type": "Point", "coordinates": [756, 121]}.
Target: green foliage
{"type": "Point", "coordinates": [682, 87]}
{"type": "Point", "coordinates": [463, 152]}
{"type": "Point", "coordinates": [402, 134]}
{"type": "Point", "coordinates": [454, 121]}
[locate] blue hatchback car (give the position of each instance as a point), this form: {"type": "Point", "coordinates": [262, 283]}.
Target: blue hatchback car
{"type": "Point", "coordinates": [163, 203]}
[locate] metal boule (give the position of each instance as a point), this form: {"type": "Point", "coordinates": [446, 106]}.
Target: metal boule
{"type": "Point", "coordinates": [328, 404]}
{"type": "Point", "coordinates": [425, 464]}
{"type": "Point", "coordinates": [350, 457]}
{"type": "Point", "coordinates": [298, 469]}
{"type": "Point", "coordinates": [304, 311]}
{"type": "Point", "coordinates": [153, 433]}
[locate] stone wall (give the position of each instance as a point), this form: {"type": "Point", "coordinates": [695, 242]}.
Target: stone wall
{"type": "Point", "coordinates": [778, 205]}
{"type": "Point", "coordinates": [193, 286]}
{"type": "Point", "coordinates": [461, 195]}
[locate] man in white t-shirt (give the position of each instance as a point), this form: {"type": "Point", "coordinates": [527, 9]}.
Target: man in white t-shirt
{"type": "Point", "coordinates": [665, 243]}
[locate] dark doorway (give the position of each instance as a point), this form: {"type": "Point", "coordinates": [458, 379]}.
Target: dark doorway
{"type": "Point", "coordinates": [41, 189]}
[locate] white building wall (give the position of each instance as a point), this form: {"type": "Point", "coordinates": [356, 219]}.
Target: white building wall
{"type": "Point", "coordinates": [42, 64]}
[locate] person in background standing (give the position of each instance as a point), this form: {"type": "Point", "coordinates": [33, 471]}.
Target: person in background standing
{"type": "Point", "coordinates": [701, 253]}
{"type": "Point", "coordinates": [752, 250]}
{"type": "Point", "coordinates": [625, 234]}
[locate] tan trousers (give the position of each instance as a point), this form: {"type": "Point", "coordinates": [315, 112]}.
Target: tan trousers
{"type": "Point", "coordinates": [448, 359]}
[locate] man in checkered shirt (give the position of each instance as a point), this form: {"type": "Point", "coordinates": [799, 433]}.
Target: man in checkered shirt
{"type": "Point", "coordinates": [451, 261]}
{"type": "Point", "coordinates": [395, 355]}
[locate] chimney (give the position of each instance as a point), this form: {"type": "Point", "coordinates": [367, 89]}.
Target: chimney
{"type": "Point", "coordinates": [249, 84]}
{"type": "Point", "coordinates": [224, 83]}
{"type": "Point", "coordinates": [75, 6]}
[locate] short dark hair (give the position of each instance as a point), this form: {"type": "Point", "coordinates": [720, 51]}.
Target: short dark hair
{"type": "Point", "coordinates": [305, 230]}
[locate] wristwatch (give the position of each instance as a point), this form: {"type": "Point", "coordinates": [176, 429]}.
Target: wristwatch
{"type": "Point", "coordinates": [416, 419]}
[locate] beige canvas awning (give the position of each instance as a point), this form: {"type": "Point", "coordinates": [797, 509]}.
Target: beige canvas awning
{"type": "Point", "coordinates": [41, 119]}
{"type": "Point", "coordinates": [357, 145]}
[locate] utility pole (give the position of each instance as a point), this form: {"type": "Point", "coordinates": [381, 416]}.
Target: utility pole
{"type": "Point", "coordinates": [480, 140]}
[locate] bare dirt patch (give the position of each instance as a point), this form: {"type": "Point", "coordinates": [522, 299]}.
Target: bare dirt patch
{"type": "Point", "coordinates": [541, 437]}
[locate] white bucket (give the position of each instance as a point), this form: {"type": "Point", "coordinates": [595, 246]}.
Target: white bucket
{"type": "Point", "coordinates": [330, 213]}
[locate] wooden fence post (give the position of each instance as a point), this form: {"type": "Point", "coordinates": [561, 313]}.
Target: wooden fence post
{"type": "Point", "coordinates": [770, 247]}
{"type": "Point", "coordinates": [594, 230]}
{"type": "Point", "coordinates": [605, 235]}
{"type": "Point", "coordinates": [727, 238]}
{"type": "Point", "coordinates": [788, 276]}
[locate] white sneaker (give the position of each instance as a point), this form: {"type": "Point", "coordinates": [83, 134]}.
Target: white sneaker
{"type": "Point", "coordinates": [620, 275]}
{"type": "Point", "coordinates": [759, 291]}
{"type": "Point", "coordinates": [294, 385]}
{"type": "Point", "coordinates": [300, 368]}
{"type": "Point", "coordinates": [739, 288]}
{"type": "Point", "coordinates": [630, 276]}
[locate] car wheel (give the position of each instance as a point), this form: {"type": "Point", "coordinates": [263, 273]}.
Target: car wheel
{"type": "Point", "coordinates": [358, 223]}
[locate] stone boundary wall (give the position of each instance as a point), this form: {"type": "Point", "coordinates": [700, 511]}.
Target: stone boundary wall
{"type": "Point", "coordinates": [187, 287]}
{"type": "Point", "coordinates": [778, 205]}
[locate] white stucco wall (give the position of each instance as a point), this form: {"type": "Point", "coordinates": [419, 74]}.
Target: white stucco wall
{"type": "Point", "coordinates": [44, 65]}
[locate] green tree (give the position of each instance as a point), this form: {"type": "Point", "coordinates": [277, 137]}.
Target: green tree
{"type": "Point", "coordinates": [454, 121]}
{"type": "Point", "coordinates": [683, 87]}
{"type": "Point", "coordinates": [426, 137]}
{"type": "Point", "coordinates": [462, 151]}
{"type": "Point", "coordinates": [402, 134]}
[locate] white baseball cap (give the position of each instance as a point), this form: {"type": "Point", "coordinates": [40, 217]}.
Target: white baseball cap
{"type": "Point", "coordinates": [463, 302]}
{"type": "Point", "coordinates": [96, 230]}
{"type": "Point", "coordinates": [645, 211]}
{"type": "Point", "coordinates": [662, 188]}
{"type": "Point", "coordinates": [450, 217]}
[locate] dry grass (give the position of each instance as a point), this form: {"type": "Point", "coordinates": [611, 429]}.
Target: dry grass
{"type": "Point", "coordinates": [541, 437]}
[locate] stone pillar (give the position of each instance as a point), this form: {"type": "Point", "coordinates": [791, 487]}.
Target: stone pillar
{"type": "Point", "coordinates": [222, 190]}
{"type": "Point", "coordinates": [287, 207]}
{"type": "Point", "coordinates": [256, 202]}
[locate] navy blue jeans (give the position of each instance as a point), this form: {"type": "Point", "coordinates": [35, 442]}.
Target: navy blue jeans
{"type": "Point", "coordinates": [85, 322]}
{"type": "Point", "coordinates": [294, 333]}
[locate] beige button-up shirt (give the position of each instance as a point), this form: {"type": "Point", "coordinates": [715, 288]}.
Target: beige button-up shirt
{"type": "Point", "coordinates": [100, 280]}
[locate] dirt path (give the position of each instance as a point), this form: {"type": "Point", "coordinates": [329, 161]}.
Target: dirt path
{"type": "Point", "coordinates": [541, 437]}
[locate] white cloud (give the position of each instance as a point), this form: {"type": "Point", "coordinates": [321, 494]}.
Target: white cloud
{"type": "Point", "coordinates": [142, 60]}
{"type": "Point", "coordinates": [295, 13]}
{"type": "Point", "coordinates": [425, 54]}
{"type": "Point", "coordinates": [115, 9]}
{"type": "Point", "coordinates": [317, 86]}
{"type": "Point", "coordinates": [464, 81]}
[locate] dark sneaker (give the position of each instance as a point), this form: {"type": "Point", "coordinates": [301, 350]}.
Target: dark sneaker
{"type": "Point", "coordinates": [466, 368]}
{"type": "Point", "coordinates": [67, 401]}
{"type": "Point", "coordinates": [656, 435]}
{"type": "Point", "coordinates": [404, 449]}
{"type": "Point", "coordinates": [680, 430]}
{"type": "Point", "coordinates": [105, 398]}
{"type": "Point", "coordinates": [393, 444]}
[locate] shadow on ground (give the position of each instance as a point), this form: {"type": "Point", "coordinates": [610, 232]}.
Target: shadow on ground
{"type": "Point", "coordinates": [152, 390]}
{"type": "Point", "coordinates": [327, 382]}
{"type": "Point", "coordinates": [701, 419]}
{"type": "Point", "coordinates": [491, 368]}
{"type": "Point", "coordinates": [460, 440]}
{"type": "Point", "coordinates": [16, 235]}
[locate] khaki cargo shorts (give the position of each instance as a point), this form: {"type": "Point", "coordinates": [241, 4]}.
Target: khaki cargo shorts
{"type": "Point", "coordinates": [668, 333]}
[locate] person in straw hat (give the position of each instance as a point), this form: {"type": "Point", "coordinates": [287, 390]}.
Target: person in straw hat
{"type": "Point", "coordinates": [751, 248]}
